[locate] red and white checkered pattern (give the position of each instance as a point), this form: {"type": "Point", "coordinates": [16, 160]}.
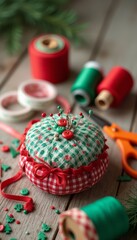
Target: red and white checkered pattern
{"type": "Point", "coordinates": [85, 225]}
{"type": "Point", "coordinates": [74, 182]}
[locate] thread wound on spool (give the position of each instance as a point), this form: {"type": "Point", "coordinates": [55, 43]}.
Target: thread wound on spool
{"type": "Point", "coordinates": [118, 83]}
{"type": "Point", "coordinates": [104, 100]}
{"type": "Point", "coordinates": [84, 88]}
{"type": "Point", "coordinates": [49, 58]}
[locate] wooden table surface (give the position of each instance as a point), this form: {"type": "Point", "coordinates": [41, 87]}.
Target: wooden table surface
{"type": "Point", "coordinates": [111, 38]}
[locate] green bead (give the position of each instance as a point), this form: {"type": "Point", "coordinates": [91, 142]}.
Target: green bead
{"type": "Point", "coordinates": [60, 129]}
{"type": "Point", "coordinates": [25, 212]}
{"type": "Point", "coordinates": [45, 227]}
{"type": "Point", "coordinates": [24, 191]}
{"type": "Point", "coordinates": [57, 211]}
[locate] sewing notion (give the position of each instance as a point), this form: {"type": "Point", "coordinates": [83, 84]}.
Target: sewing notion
{"type": "Point", "coordinates": [49, 58]}
{"type": "Point", "coordinates": [84, 88]}
{"type": "Point", "coordinates": [105, 219]}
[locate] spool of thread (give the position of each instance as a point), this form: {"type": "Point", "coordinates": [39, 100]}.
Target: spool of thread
{"type": "Point", "coordinates": [114, 88]}
{"type": "Point", "coordinates": [105, 219]}
{"type": "Point", "coordinates": [49, 58]}
{"type": "Point", "coordinates": [84, 88]}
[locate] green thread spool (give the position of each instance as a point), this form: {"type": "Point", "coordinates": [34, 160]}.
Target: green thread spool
{"type": "Point", "coordinates": [84, 88]}
{"type": "Point", "coordinates": [109, 218]}
{"type": "Point", "coordinates": [49, 44]}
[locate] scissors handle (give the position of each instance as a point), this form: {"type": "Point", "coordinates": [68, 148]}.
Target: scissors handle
{"type": "Point", "coordinates": [127, 152]}
{"type": "Point", "coordinates": [115, 132]}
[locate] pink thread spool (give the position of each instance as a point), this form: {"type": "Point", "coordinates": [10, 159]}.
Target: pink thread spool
{"type": "Point", "coordinates": [114, 88]}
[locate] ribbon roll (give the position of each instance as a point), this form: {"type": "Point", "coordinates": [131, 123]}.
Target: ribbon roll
{"type": "Point", "coordinates": [105, 219]}
{"type": "Point", "coordinates": [49, 58]}
{"type": "Point", "coordinates": [84, 88]}
{"type": "Point", "coordinates": [37, 95]}
{"type": "Point", "coordinates": [8, 115]}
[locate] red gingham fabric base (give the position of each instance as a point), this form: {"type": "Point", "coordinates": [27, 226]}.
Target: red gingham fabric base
{"type": "Point", "coordinates": [74, 183]}
{"type": "Point", "coordinates": [85, 225]}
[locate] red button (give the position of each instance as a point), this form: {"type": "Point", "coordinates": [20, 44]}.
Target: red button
{"type": "Point", "coordinates": [68, 134]}
{"type": "Point", "coordinates": [62, 122]}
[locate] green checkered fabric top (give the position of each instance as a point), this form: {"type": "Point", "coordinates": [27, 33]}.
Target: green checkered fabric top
{"type": "Point", "coordinates": [83, 148]}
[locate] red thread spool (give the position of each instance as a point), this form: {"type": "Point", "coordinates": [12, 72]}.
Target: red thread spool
{"type": "Point", "coordinates": [49, 58]}
{"type": "Point", "coordinates": [114, 88]}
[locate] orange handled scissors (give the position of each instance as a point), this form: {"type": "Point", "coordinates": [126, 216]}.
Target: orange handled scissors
{"type": "Point", "coordinates": [123, 138]}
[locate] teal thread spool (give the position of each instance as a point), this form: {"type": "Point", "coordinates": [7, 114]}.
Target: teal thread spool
{"type": "Point", "coordinates": [84, 88]}
{"type": "Point", "coordinates": [107, 216]}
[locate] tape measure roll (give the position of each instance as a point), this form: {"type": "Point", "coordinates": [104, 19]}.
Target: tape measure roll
{"type": "Point", "coordinates": [13, 115]}
{"type": "Point", "coordinates": [36, 95]}
{"type": "Point", "coordinates": [105, 219]}
{"type": "Point", "coordinates": [114, 88]}
{"type": "Point", "coordinates": [84, 88]}
{"type": "Point", "coordinates": [49, 58]}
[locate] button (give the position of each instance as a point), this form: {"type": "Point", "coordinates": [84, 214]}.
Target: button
{"type": "Point", "coordinates": [68, 134]}
{"type": "Point", "coordinates": [62, 122]}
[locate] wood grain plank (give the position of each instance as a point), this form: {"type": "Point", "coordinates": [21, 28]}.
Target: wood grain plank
{"type": "Point", "coordinates": [95, 15]}
{"type": "Point", "coordinates": [117, 47]}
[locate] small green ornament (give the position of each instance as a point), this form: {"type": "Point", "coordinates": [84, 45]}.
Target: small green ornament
{"type": "Point", "coordinates": [24, 191]}
{"type": "Point", "coordinates": [25, 212]}
{"type": "Point", "coordinates": [9, 219]}
{"type": "Point", "coordinates": [18, 207]}
{"type": "Point", "coordinates": [60, 129]}
{"type": "Point", "coordinates": [16, 142]}
{"type": "Point", "coordinates": [74, 122]}
{"type": "Point", "coordinates": [57, 211]}
{"type": "Point", "coordinates": [13, 152]}
{"type": "Point", "coordinates": [45, 227]}
{"type": "Point", "coordinates": [7, 229]}
{"type": "Point", "coordinates": [124, 178]}
{"type": "Point", "coordinates": [5, 167]}
{"type": "Point", "coordinates": [13, 238]}
{"type": "Point", "coordinates": [41, 236]}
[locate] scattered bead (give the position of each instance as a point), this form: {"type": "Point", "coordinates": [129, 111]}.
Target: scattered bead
{"type": "Point", "coordinates": [13, 152]}
{"type": "Point", "coordinates": [1, 142]}
{"type": "Point", "coordinates": [5, 148]}
{"type": "Point", "coordinates": [10, 219]}
{"type": "Point", "coordinates": [52, 207]}
{"type": "Point", "coordinates": [45, 227]}
{"type": "Point", "coordinates": [27, 233]}
{"type": "Point", "coordinates": [25, 212]}
{"type": "Point", "coordinates": [41, 236]}
{"type": "Point", "coordinates": [6, 209]}
{"type": "Point", "coordinates": [68, 134]}
{"type": "Point", "coordinates": [17, 222]}
{"type": "Point", "coordinates": [1, 227]}
{"type": "Point", "coordinates": [59, 114]}
{"type": "Point", "coordinates": [5, 167]}
{"type": "Point", "coordinates": [90, 112]}
{"type": "Point", "coordinates": [57, 211]}
{"type": "Point", "coordinates": [60, 129]}
{"type": "Point", "coordinates": [7, 229]}
{"type": "Point", "coordinates": [18, 207]}
{"type": "Point", "coordinates": [51, 114]}
{"type": "Point", "coordinates": [43, 115]}
{"type": "Point", "coordinates": [24, 191]}
{"type": "Point", "coordinates": [62, 122]}
{"type": "Point", "coordinates": [11, 215]}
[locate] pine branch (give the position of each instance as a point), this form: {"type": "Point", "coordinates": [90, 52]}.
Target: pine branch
{"type": "Point", "coordinates": [131, 208]}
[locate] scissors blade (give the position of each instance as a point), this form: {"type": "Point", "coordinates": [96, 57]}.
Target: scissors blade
{"type": "Point", "coordinates": [97, 119]}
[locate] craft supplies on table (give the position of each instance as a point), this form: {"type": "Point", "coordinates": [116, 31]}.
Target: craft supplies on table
{"type": "Point", "coordinates": [84, 88]}
{"type": "Point", "coordinates": [49, 58]}
{"type": "Point", "coordinates": [124, 139]}
{"type": "Point", "coordinates": [105, 219]}
{"type": "Point", "coordinates": [31, 96]}
{"type": "Point", "coordinates": [113, 89]}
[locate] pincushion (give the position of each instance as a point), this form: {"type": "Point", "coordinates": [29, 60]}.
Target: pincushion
{"type": "Point", "coordinates": [63, 153]}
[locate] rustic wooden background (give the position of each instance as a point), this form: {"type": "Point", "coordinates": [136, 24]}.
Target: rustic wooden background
{"type": "Point", "coordinates": [111, 38]}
